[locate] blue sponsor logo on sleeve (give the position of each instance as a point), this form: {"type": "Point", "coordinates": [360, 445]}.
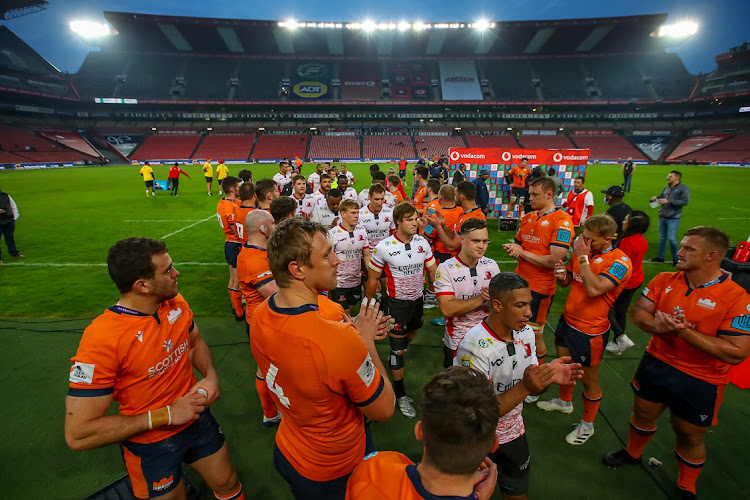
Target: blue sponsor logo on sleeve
{"type": "Point", "coordinates": [618, 270]}
{"type": "Point", "coordinates": [742, 323]}
{"type": "Point", "coordinates": [563, 235]}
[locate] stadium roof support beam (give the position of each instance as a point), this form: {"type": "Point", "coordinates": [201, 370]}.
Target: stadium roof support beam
{"type": "Point", "coordinates": [538, 40]}
{"type": "Point", "coordinates": [485, 42]}
{"type": "Point", "coordinates": [175, 37]}
{"type": "Point", "coordinates": [335, 42]}
{"type": "Point", "coordinates": [231, 40]}
{"type": "Point", "coordinates": [283, 39]}
{"type": "Point", "coordinates": [596, 36]}
{"type": "Point", "coordinates": [435, 42]}
{"type": "Point", "coordinates": [384, 43]}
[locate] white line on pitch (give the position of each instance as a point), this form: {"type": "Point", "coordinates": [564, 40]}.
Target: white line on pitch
{"type": "Point", "coordinates": [732, 218]}
{"type": "Point", "coordinates": [743, 209]}
{"type": "Point", "coordinates": [162, 220]}
{"type": "Point", "coordinates": [188, 227]}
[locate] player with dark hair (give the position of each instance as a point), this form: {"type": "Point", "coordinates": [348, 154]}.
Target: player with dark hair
{"type": "Point", "coordinates": [327, 212]}
{"type": "Point", "coordinates": [148, 177]}
{"type": "Point", "coordinates": [174, 178]}
{"type": "Point", "coordinates": [324, 376]}
{"type": "Point", "coordinates": [248, 203]}
{"type": "Point", "coordinates": [141, 352]}
{"type": "Point", "coordinates": [226, 211]}
{"type": "Point", "coordinates": [596, 275]}
{"type": "Point", "coordinates": [459, 416]}
{"type": "Point", "coordinates": [421, 174]}
{"type": "Point", "coordinates": [282, 208]}
{"type": "Point", "coordinates": [580, 203]}
{"type": "Point", "coordinates": [461, 286]}
{"type": "Point", "coordinates": [351, 246]}
{"type": "Point", "coordinates": [266, 191]}
{"type": "Point", "coordinates": [305, 203]}
{"type": "Point", "coordinates": [403, 257]}
{"type": "Point", "coordinates": [347, 192]}
{"type": "Point", "coordinates": [699, 320]}
{"type": "Point", "coordinates": [208, 172]}
{"type": "Point", "coordinates": [519, 173]}
{"type": "Point", "coordinates": [246, 175]}
{"type": "Point", "coordinates": [501, 348]}
{"type": "Point", "coordinates": [314, 178]}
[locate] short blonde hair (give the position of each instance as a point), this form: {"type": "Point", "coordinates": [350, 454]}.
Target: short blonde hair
{"type": "Point", "coordinates": [347, 205]}
{"type": "Point", "coordinates": [291, 241]}
{"type": "Point", "coordinates": [602, 224]}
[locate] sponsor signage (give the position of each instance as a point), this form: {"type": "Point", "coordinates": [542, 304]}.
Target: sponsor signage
{"type": "Point", "coordinates": [359, 82]}
{"type": "Point", "coordinates": [513, 156]}
{"type": "Point", "coordinates": [310, 90]}
{"type": "Point", "coordinates": [459, 81]}
{"type": "Point", "coordinates": [651, 146]}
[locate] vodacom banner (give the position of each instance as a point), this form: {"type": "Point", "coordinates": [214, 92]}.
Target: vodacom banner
{"type": "Point", "coordinates": [512, 156]}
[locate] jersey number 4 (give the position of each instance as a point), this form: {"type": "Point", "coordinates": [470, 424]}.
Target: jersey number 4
{"type": "Point", "coordinates": [274, 387]}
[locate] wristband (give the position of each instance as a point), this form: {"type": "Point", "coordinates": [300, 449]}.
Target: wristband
{"type": "Point", "coordinates": [150, 424]}
{"type": "Point", "coordinates": [583, 259]}
{"type": "Point", "coordinates": [169, 411]}
{"type": "Point", "coordinates": [160, 417]}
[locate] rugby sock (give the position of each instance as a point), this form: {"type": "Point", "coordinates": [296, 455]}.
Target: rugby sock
{"type": "Point", "coordinates": [590, 407]}
{"type": "Point", "coordinates": [237, 495]}
{"type": "Point", "coordinates": [399, 389]}
{"type": "Point", "coordinates": [236, 296]}
{"type": "Point", "coordinates": [566, 393]}
{"type": "Point", "coordinates": [638, 439]}
{"type": "Point", "coordinates": [689, 470]}
{"type": "Point", "coordinates": [269, 409]}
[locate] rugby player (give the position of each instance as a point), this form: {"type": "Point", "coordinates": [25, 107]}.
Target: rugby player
{"type": "Point", "coordinates": [461, 286]}
{"type": "Point", "coordinates": [282, 208]}
{"type": "Point", "coordinates": [347, 192]}
{"type": "Point", "coordinates": [324, 375]}
{"type": "Point", "coordinates": [266, 191]}
{"type": "Point", "coordinates": [465, 198]}
{"type": "Point", "coordinates": [596, 274]}
{"type": "Point", "coordinates": [221, 173]}
{"type": "Point", "coordinates": [543, 239]}
{"type": "Point", "coordinates": [350, 244]}
{"type": "Point", "coordinates": [284, 177]}
{"type": "Point", "coordinates": [225, 212]}
{"type": "Point", "coordinates": [246, 193]}
{"type": "Point", "coordinates": [375, 217]}
{"type": "Point", "coordinates": [327, 213]}
{"type": "Point", "coordinates": [421, 174]}
{"type": "Point", "coordinates": [208, 172]}
{"type": "Point", "coordinates": [148, 177]}
{"type": "Point", "coordinates": [305, 202]}
{"type": "Point", "coordinates": [377, 178]}
{"type": "Point", "coordinates": [519, 173]}
{"type": "Point", "coordinates": [314, 178]}
{"type": "Point", "coordinates": [699, 320]}
{"type": "Point", "coordinates": [141, 352]}
{"type": "Point", "coordinates": [403, 257]}
{"type": "Point", "coordinates": [459, 416]}
{"type": "Point", "coordinates": [501, 348]}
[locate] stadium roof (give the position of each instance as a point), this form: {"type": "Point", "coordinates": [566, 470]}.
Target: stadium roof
{"type": "Point", "coordinates": [252, 38]}
{"type": "Point", "coordinates": [12, 9]}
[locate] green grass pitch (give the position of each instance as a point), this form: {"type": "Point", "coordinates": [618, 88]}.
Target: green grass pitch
{"type": "Point", "coordinates": [70, 217]}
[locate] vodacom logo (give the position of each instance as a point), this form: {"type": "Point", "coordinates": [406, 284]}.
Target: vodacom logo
{"type": "Point", "coordinates": [557, 157]}
{"type": "Point", "coordinates": [455, 155]}
{"type": "Point", "coordinates": [506, 156]}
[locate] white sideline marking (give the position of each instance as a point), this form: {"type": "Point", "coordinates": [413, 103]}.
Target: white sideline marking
{"type": "Point", "coordinates": [162, 220]}
{"type": "Point", "coordinates": [732, 218]}
{"type": "Point", "coordinates": [213, 216]}
{"type": "Point", "coordinates": [743, 209]}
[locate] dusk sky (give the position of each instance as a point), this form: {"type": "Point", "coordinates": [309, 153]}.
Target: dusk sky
{"type": "Point", "coordinates": [723, 23]}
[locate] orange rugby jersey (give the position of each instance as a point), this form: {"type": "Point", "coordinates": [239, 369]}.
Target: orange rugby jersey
{"type": "Point", "coordinates": [720, 307]}
{"type": "Point", "coordinates": [225, 213]}
{"type": "Point", "coordinates": [141, 359]}
{"type": "Point", "coordinates": [253, 272]}
{"type": "Point", "coordinates": [388, 475]}
{"type": "Point", "coordinates": [589, 315]}
{"type": "Point", "coordinates": [319, 372]}
{"type": "Point", "coordinates": [519, 174]}
{"type": "Point", "coordinates": [536, 235]}
{"type": "Point", "coordinates": [452, 216]}
{"type": "Point", "coordinates": [419, 196]}
{"type": "Point", "coordinates": [474, 213]}
{"type": "Point", "coordinates": [329, 309]}
{"type": "Point", "coordinates": [240, 213]}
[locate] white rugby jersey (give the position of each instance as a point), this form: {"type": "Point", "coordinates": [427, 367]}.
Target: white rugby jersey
{"type": "Point", "coordinates": [379, 225]}
{"type": "Point", "coordinates": [349, 176]}
{"type": "Point", "coordinates": [482, 350]}
{"type": "Point", "coordinates": [455, 278]}
{"type": "Point", "coordinates": [282, 180]}
{"type": "Point", "coordinates": [323, 215]}
{"type": "Point", "coordinates": [350, 194]}
{"type": "Point", "coordinates": [403, 265]}
{"type": "Point", "coordinates": [314, 179]}
{"type": "Point", "coordinates": [348, 247]}
{"type": "Point", "coordinates": [364, 198]}
{"type": "Point", "coordinates": [305, 206]}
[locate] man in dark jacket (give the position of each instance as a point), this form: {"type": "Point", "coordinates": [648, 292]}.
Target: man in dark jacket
{"type": "Point", "coordinates": [460, 175]}
{"type": "Point", "coordinates": [482, 197]}
{"type": "Point", "coordinates": [672, 199]}
{"type": "Point", "coordinates": [8, 217]}
{"type": "Point", "coordinates": [618, 209]}
{"type": "Point", "coordinates": [628, 169]}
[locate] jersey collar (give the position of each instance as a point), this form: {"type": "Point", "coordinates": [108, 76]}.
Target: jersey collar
{"type": "Point", "coordinates": [416, 481]}
{"type": "Point", "coordinates": [290, 311]}
{"type": "Point", "coordinates": [118, 309]}
{"type": "Point", "coordinates": [707, 284]}
{"type": "Point", "coordinates": [248, 245]}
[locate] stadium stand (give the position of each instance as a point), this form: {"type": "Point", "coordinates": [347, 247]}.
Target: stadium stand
{"type": "Point", "coordinates": [617, 77]}
{"type": "Point", "coordinates": [228, 147]}
{"type": "Point", "coordinates": [668, 75]}
{"type": "Point", "coordinates": [277, 146]}
{"type": "Point", "coordinates": [334, 146]}
{"type": "Point", "coordinates": [260, 79]}
{"type": "Point", "coordinates": [734, 149]}
{"type": "Point", "coordinates": [71, 139]}
{"type": "Point", "coordinates": [695, 143]}
{"type": "Point", "coordinates": [607, 147]}
{"type": "Point", "coordinates": [151, 76]}
{"type": "Point", "coordinates": [32, 148]}
{"type": "Point", "coordinates": [166, 147]}
{"type": "Point", "coordinates": [509, 80]}
{"type": "Point", "coordinates": [732, 73]}
{"type": "Point", "coordinates": [98, 74]}
{"type": "Point", "coordinates": [545, 141]}
{"type": "Point", "coordinates": [208, 77]}
{"type": "Point", "coordinates": [560, 78]}
{"type": "Point", "coordinates": [491, 141]}
{"type": "Point", "coordinates": [388, 146]}
{"type": "Point", "coordinates": [436, 144]}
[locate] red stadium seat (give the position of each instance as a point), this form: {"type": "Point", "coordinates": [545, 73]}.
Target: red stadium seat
{"type": "Point", "coordinates": [334, 146]}
{"type": "Point", "coordinates": [166, 147]}
{"type": "Point", "coordinates": [277, 146]}
{"type": "Point", "coordinates": [228, 147]}
{"type": "Point", "coordinates": [388, 146]}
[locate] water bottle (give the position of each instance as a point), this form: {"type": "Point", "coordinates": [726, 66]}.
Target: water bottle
{"type": "Point", "coordinates": [429, 230]}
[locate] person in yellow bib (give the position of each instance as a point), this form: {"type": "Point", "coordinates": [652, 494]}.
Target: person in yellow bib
{"type": "Point", "coordinates": [208, 171]}
{"type": "Point", "coordinates": [148, 177]}
{"type": "Point", "coordinates": [221, 173]}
